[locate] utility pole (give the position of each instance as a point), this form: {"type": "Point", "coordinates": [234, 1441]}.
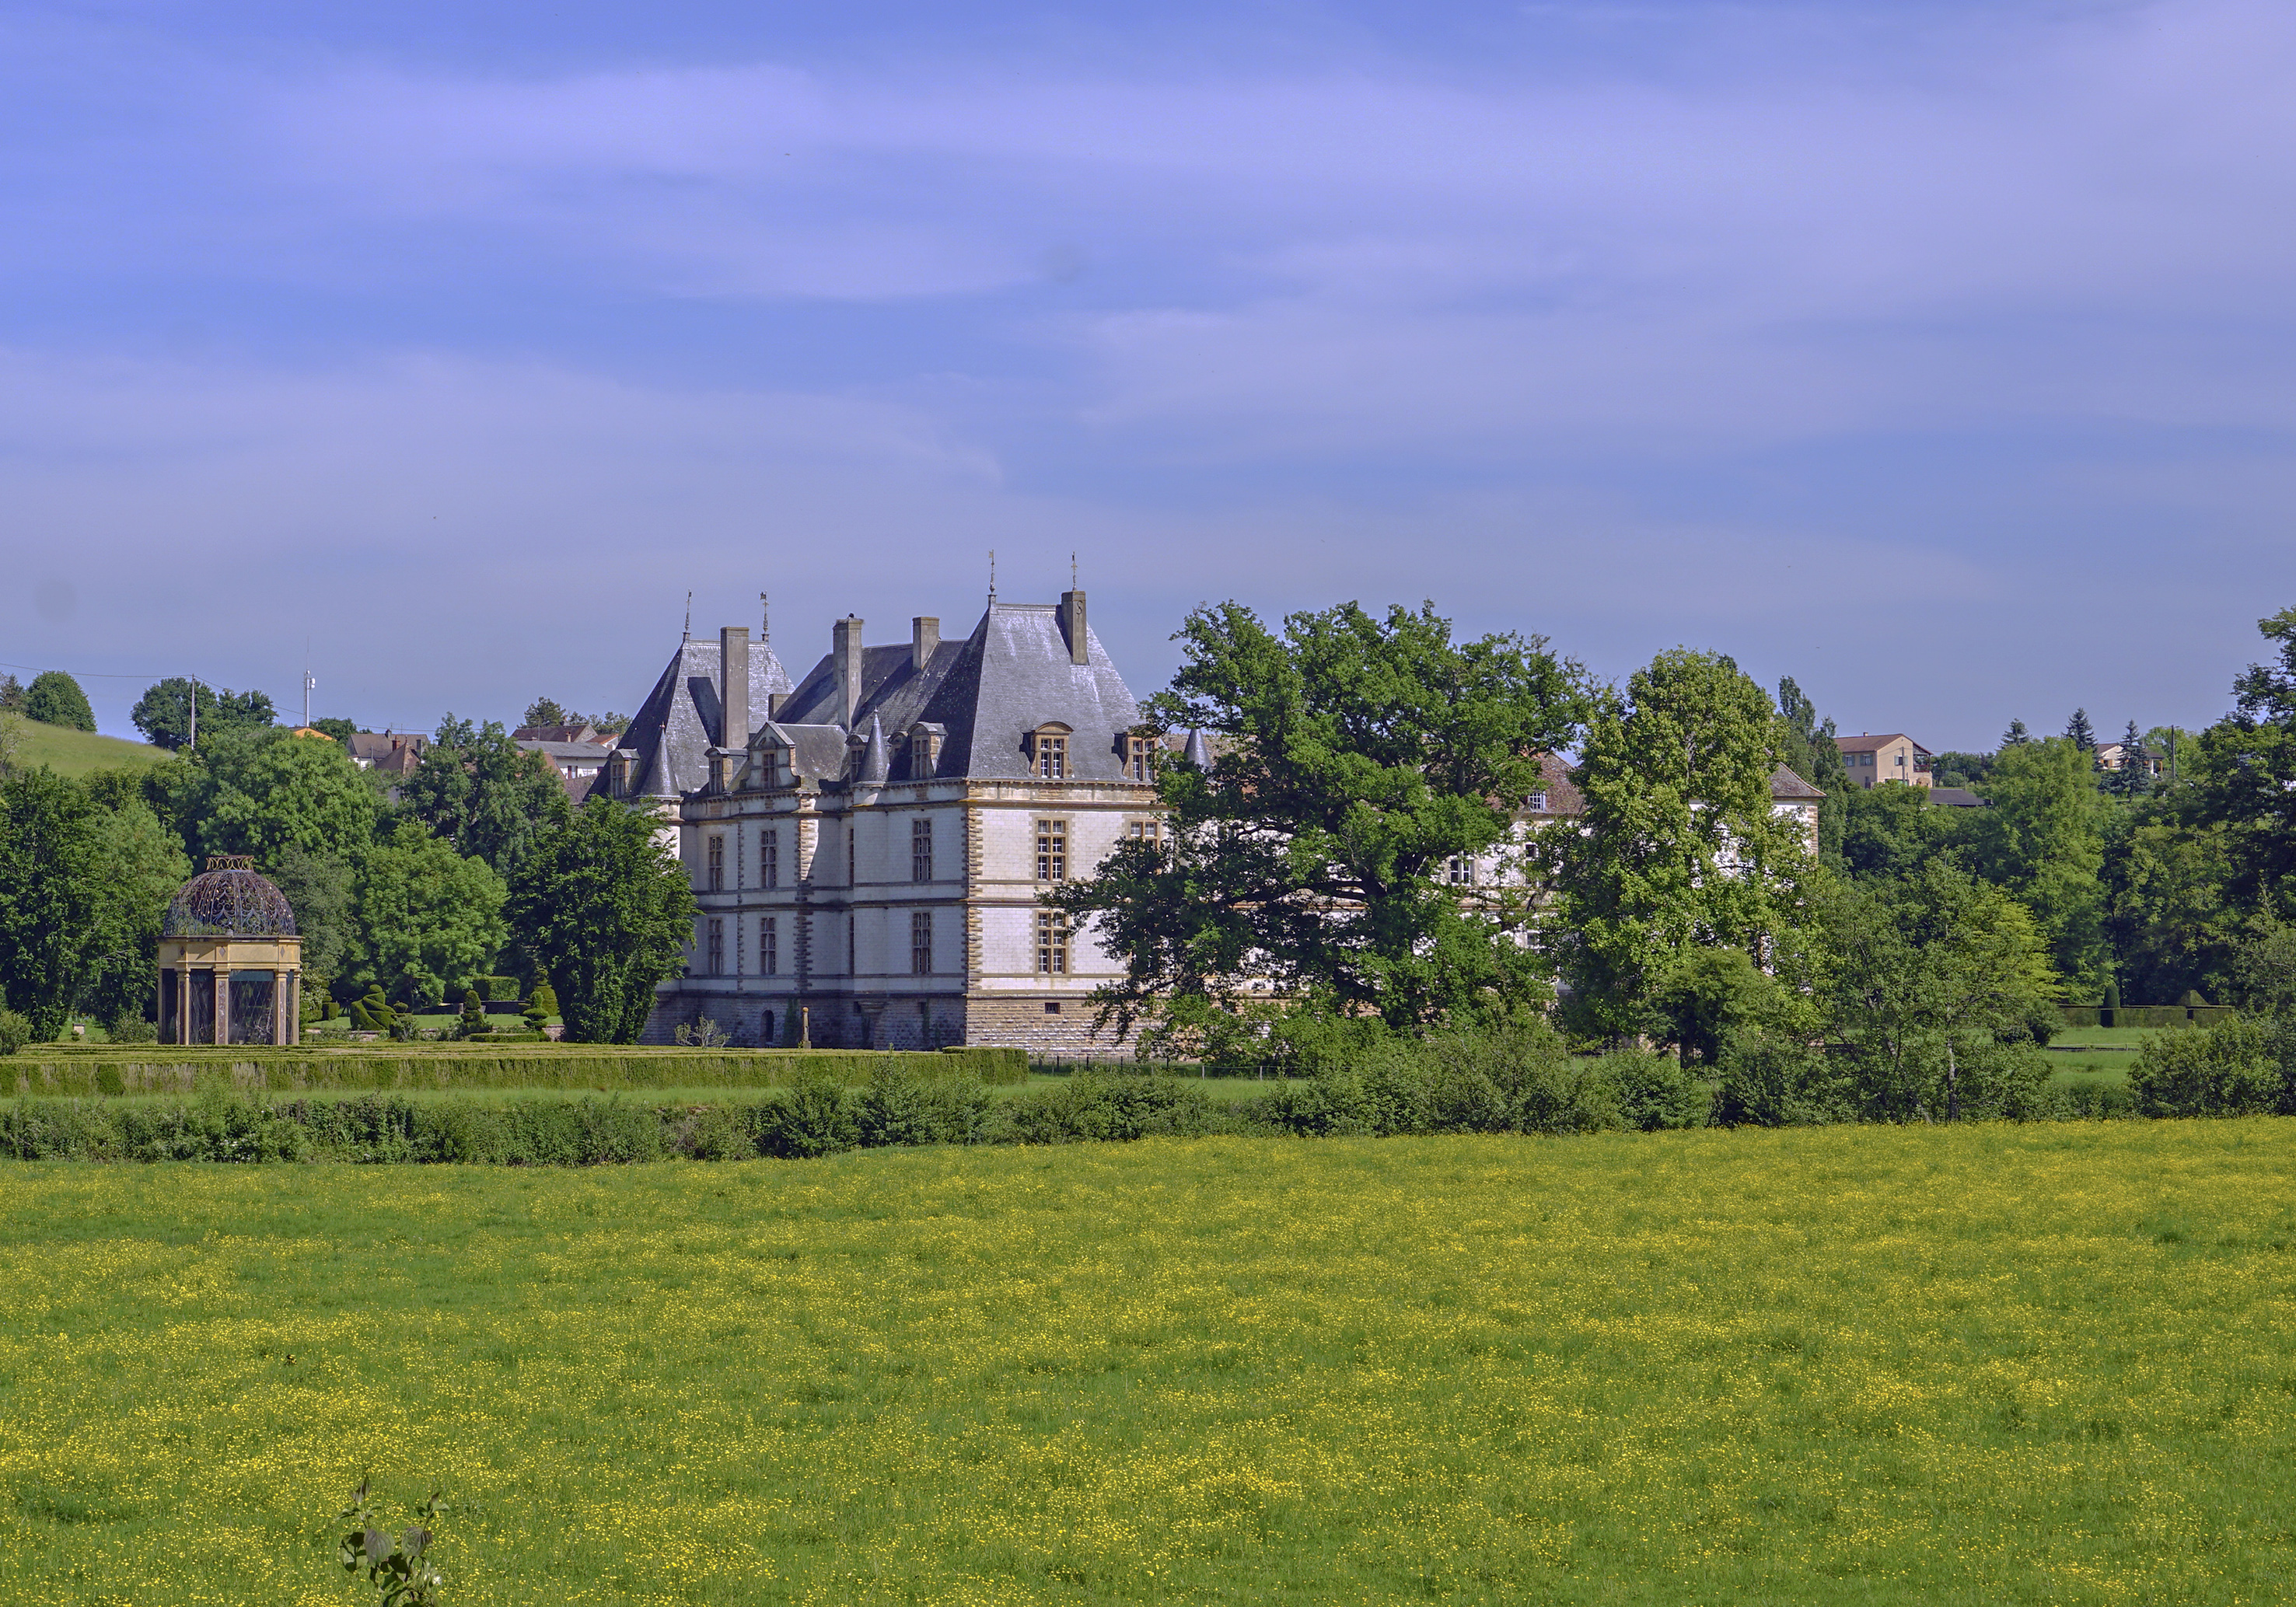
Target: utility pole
{"type": "Point", "coordinates": [193, 740]}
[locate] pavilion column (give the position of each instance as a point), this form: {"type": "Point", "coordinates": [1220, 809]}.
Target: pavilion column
{"type": "Point", "coordinates": [222, 976]}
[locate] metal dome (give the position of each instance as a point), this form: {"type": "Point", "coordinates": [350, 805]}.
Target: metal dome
{"type": "Point", "coordinates": [229, 900]}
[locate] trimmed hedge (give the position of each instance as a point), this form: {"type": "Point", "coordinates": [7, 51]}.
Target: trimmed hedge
{"type": "Point", "coordinates": [2154, 1016]}
{"type": "Point", "coordinates": [815, 1116]}
{"type": "Point", "coordinates": [52, 1069]}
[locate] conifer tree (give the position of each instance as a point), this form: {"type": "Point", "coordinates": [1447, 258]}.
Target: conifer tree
{"type": "Point", "coordinates": [2016, 735]}
{"type": "Point", "coordinates": [2081, 733]}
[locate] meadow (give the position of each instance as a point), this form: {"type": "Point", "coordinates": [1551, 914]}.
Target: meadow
{"type": "Point", "coordinates": [1872, 1364]}
{"type": "Point", "coordinates": [70, 752]}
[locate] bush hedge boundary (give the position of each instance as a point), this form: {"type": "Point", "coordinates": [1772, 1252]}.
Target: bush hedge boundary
{"type": "Point", "coordinates": [51, 1071]}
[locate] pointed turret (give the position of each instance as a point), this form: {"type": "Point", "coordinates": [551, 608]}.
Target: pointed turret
{"type": "Point", "coordinates": [1198, 752]}
{"type": "Point", "coordinates": [876, 762]}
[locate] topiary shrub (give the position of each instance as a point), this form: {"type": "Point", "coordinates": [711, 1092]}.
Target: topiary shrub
{"type": "Point", "coordinates": [474, 1022]}
{"type": "Point", "coordinates": [2109, 1016]}
{"type": "Point", "coordinates": [373, 1012]}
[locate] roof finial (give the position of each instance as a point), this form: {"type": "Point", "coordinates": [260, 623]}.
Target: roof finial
{"type": "Point", "coordinates": [689, 614]}
{"type": "Point", "coordinates": [764, 620]}
{"type": "Point", "coordinates": [992, 576]}
{"type": "Point", "coordinates": [1072, 571]}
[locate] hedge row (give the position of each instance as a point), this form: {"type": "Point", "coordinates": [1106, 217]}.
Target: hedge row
{"type": "Point", "coordinates": [815, 1116]}
{"type": "Point", "coordinates": [2148, 1016]}
{"type": "Point", "coordinates": [53, 1069]}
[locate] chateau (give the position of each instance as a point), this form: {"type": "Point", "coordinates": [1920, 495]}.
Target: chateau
{"type": "Point", "coordinates": [867, 845]}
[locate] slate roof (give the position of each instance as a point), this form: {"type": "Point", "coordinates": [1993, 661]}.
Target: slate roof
{"type": "Point", "coordinates": [1955, 798]}
{"type": "Point", "coordinates": [1874, 742]}
{"type": "Point", "coordinates": [1786, 787]}
{"type": "Point", "coordinates": [990, 691]}
{"type": "Point", "coordinates": [677, 724]}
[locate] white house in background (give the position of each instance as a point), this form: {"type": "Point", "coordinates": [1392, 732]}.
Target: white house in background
{"type": "Point", "coordinates": [867, 847]}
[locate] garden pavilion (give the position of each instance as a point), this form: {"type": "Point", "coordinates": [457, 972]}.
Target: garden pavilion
{"type": "Point", "coordinates": [231, 962]}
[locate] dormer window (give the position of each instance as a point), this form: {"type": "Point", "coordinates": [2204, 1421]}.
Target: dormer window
{"type": "Point", "coordinates": [924, 751]}
{"type": "Point", "coordinates": [1139, 758]}
{"type": "Point", "coordinates": [1048, 752]}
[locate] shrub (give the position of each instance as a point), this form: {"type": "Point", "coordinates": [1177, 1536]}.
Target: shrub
{"type": "Point", "coordinates": [2233, 1069]}
{"type": "Point", "coordinates": [815, 1118]}
{"type": "Point", "coordinates": [373, 1012]}
{"type": "Point", "coordinates": [496, 990]}
{"type": "Point", "coordinates": [1769, 1082]}
{"type": "Point", "coordinates": [107, 1080]}
{"type": "Point", "coordinates": [1106, 1106]}
{"type": "Point", "coordinates": [898, 1107]}
{"type": "Point", "coordinates": [15, 1032]}
{"type": "Point", "coordinates": [1653, 1092]}
{"type": "Point", "coordinates": [132, 1028]}
{"type": "Point", "coordinates": [473, 1022]}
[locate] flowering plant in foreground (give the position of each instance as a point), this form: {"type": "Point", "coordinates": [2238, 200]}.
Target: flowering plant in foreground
{"type": "Point", "coordinates": [400, 1570]}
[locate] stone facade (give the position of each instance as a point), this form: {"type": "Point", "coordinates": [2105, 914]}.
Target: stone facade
{"type": "Point", "coordinates": [868, 850]}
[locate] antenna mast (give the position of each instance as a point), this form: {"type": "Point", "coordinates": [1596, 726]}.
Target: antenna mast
{"type": "Point", "coordinates": [689, 614]}
{"type": "Point", "coordinates": [308, 682]}
{"type": "Point", "coordinates": [764, 620]}
{"type": "Point", "coordinates": [992, 576]}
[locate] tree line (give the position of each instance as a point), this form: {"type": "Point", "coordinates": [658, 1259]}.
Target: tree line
{"type": "Point", "coordinates": [1354, 869]}
{"type": "Point", "coordinates": [472, 865]}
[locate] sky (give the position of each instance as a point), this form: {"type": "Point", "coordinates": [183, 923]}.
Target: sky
{"type": "Point", "coordinates": [1937, 354]}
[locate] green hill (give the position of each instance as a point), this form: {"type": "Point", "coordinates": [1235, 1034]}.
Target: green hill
{"type": "Point", "coordinates": [76, 752]}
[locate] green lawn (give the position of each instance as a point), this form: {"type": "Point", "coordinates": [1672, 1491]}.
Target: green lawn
{"type": "Point", "coordinates": [1864, 1364]}
{"type": "Point", "coordinates": [76, 752]}
{"type": "Point", "coordinates": [2106, 1037]}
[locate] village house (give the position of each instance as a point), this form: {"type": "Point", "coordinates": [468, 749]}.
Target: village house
{"type": "Point", "coordinates": [1893, 757]}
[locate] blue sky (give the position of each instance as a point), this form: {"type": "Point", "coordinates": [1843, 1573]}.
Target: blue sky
{"type": "Point", "coordinates": [1937, 354]}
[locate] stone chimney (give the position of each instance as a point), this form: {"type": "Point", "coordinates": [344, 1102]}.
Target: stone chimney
{"type": "Point", "coordinates": [1072, 622]}
{"type": "Point", "coordinates": [924, 635]}
{"type": "Point", "coordinates": [734, 688]}
{"type": "Point", "coordinates": [845, 660]}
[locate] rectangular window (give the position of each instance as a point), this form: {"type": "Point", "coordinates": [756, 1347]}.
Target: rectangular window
{"type": "Point", "coordinates": [921, 851]}
{"type": "Point", "coordinates": [1053, 757]}
{"type": "Point", "coordinates": [717, 862]}
{"type": "Point", "coordinates": [1139, 762]}
{"type": "Point", "coordinates": [715, 963]}
{"type": "Point", "coordinates": [769, 858]}
{"type": "Point", "coordinates": [1538, 803]}
{"type": "Point", "coordinates": [852, 947]}
{"type": "Point", "coordinates": [852, 865]}
{"type": "Point", "coordinates": [1052, 944]}
{"type": "Point", "coordinates": [920, 943]}
{"type": "Point", "coordinates": [1144, 831]}
{"type": "Point", "coordinates": [1462, 871]}
{"type": "Point", "coordinates": [769, 947]}
{"type": "Point", "coordinates": [1052, 850]}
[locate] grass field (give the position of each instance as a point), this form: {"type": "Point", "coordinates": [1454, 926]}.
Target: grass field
{"type": "Point", "coordinates": [1856, 1365]}
{"type": "Point", "coordinates": [76, 752]}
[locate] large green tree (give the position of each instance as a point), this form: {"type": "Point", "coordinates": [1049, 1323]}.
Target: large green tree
{"type": "Point", "coordinates": [163, 714]}
{"type": "Point", "coordinates": [483, 793]}
{"type": "Point", "coordinates": [2243, 779]}
{"type": "Point", "coordinates": [428, 919]}
{"type": "Point", "coordinates": [260, 791]}
{"type": "Point", "coordinates": [51, 841]}
{"type": "Point", "coordinates": [607, 912]}
{"type": "Point", "coordinates": [142, 863]}
{"type": "Point", "coordinates": [1891, 829]}
{"type": "Point", "coordinates": [2167, 917]}
{"type": "Point", "coordinates": [322, 888]}
{"type": "Point", "coordinates": [55, 698]}
{"type": "Point", "coordinates": [1679, 849]}
{"type": "Point", "coordinates": [2042, 840]}
{"type": "Point", "coordinates": [1358, 758]}
{"type": "Point", "coordinates": [1942, 981]}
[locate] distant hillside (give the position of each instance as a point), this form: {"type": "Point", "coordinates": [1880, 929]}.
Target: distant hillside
{"type": "Point", "coordinates": [76, 752]}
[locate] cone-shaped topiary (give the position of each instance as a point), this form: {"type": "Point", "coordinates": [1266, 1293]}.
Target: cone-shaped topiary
{"type": "Point", "coordinates": [474, 1014]}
